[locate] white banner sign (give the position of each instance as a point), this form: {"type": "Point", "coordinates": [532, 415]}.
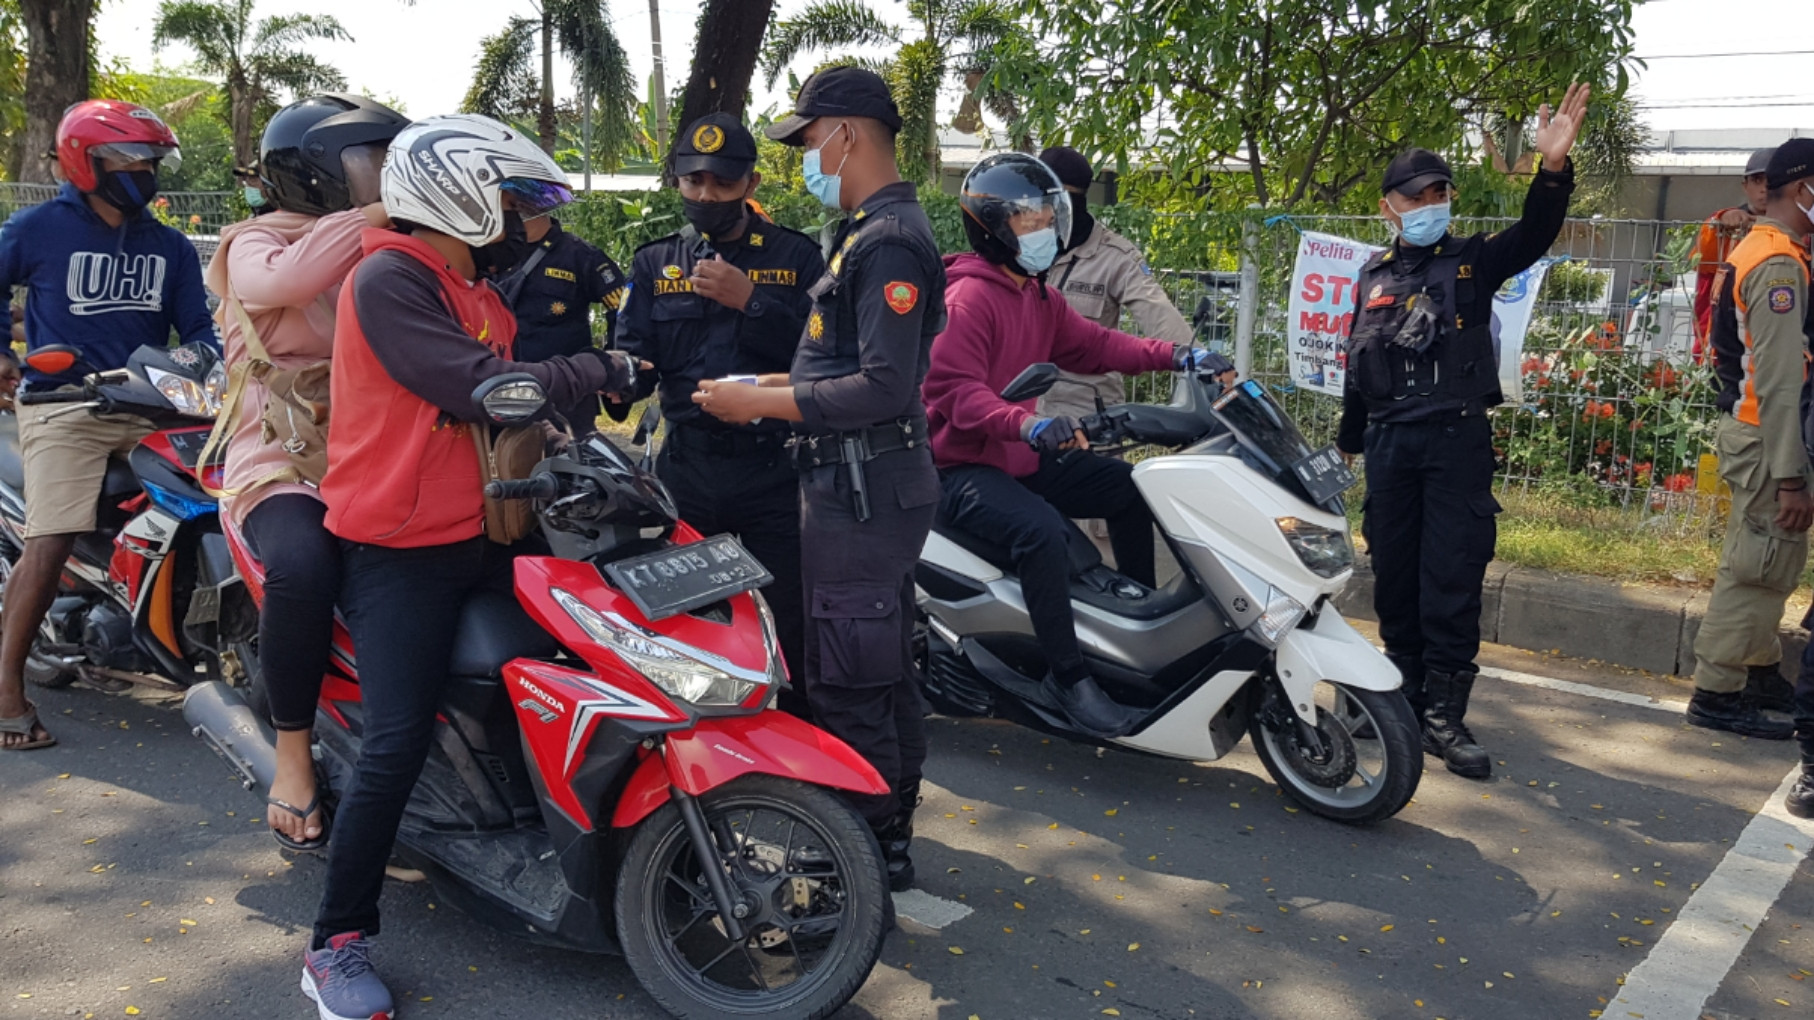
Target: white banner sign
{"type": "Point", "coordinates": [1322, 311]}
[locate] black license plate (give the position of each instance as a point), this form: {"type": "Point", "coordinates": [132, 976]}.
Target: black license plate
{"type": "Point", "coordinates": [686, 577]}
{"type": "Point", "coordinates": [1324, 474]}
{"type": "Point", "coordinates": [188, 444]}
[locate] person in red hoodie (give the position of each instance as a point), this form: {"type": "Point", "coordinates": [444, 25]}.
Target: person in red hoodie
{"type": "Point", "coordinates": [1004, 470]}
{"type": "Point", "coordinates": [418, 330]}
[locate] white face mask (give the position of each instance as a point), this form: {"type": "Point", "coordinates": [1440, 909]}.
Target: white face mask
{"type": "Point", "coordinates": [1806, 210]}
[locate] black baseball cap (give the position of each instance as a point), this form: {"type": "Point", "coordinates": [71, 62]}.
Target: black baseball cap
{"type": "Point", "coordinates": [1792, 161]}
{"type": "Point", "coordinates": [718, 143]}
{"type": "Point", "coordinates": [1414, 170]}
{"type": "Point", "coordinates": [1073, 170]}
{"type": "Point", "coordinates": [1759, 162]}
{"type": "Point", "coordinates": [838, 92]}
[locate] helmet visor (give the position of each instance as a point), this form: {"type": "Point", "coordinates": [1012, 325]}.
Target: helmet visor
{"type": "Point", "coordinates": [168, 157]}
{"type": "Point", "coordinates": [536, 198]}
{"type": "Point", "coordinates": [1026, 215]}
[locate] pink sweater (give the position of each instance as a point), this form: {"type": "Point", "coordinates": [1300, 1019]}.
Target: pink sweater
{"type": "Point", "coordinates": [993, 330]}
{"type": "Point", "coordinates": [286, 269]}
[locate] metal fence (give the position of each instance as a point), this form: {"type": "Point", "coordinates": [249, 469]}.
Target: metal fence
{"type": "Point", "coordinates": [1615, 408]}
{"type": "Point", "coordinates": [199, 214]}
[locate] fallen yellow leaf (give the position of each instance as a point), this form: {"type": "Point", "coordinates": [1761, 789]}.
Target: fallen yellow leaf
{"type": "Point", "coordinates": [1386, 927]}
{"type": "Point", "coordinates": [1131, 946]}
{"type": "Point", "coordinates": [954, 950]}
{"type": "Point", "coordinates": [1112, 812]}
{"type": "Point", "coordinates": [1111, 1011]}
{"type": "Point", "coordinates": [130, 1010]}
{"type": "Point", "coordinates": [188, 922]}
{"type": "Point", "coordinates": [1213, 912]}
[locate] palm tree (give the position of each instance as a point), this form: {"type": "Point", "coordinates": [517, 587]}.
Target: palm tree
{"type": "Point", "coordinates": [255, 62]}
{"type": "Point", "coordinates": [956, 36]}
{"type": "Point", "coordinates": [507, 83]}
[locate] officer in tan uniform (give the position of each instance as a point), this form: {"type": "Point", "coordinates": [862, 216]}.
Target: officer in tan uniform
{"type": "Point", "coordinates": [1100, 273]}
{"type": "Point", "coordinates": [1759, 334]}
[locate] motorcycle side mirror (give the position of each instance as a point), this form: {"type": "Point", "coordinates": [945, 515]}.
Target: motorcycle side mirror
{"type": "Point", "coordinates": [1033, 381]}
{"type": "Point", "coordinates": [510, 399]}
{"type": "Point", "coordinates": [54, 359]}
{"type": "Point", "coordinates": [646, 425]}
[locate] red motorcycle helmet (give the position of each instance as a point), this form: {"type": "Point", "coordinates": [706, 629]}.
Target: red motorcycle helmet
{"type": "Point", "coordinates": [107, 128]}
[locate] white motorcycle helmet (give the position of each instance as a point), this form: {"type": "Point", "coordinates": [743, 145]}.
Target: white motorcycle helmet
{"type": "Point", "coordinates": [450, 173]}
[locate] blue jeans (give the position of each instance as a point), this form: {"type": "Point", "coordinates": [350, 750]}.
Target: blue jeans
{"type": "Point", "coordinates": [403, 608]}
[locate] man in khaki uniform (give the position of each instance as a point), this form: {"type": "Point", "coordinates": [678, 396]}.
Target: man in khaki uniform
{"type": "Point", "coordinates": [1100, 273]}
{"type": "Point", "coordinates": [1760, 341]}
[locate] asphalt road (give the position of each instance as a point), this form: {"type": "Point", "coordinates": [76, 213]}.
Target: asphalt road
{"type": "Point", "coordinates": [135, 879]}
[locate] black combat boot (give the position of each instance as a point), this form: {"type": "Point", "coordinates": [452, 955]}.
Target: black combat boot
{"type": "Point", "coordinates": [896, 839]}
{"type": "Point", "coordinates": [1092, 710]}
{"type": "Point", "coordinates": [1444, 733]}
{"type": "Point", "coordinates": [1801, 795]}
{"type": "Point", "coordinates": [1731, 712]}
{"type": "Point", "coordinates": [1768, 689]}
{"type": "Point", "coordinates": [1410, 667]}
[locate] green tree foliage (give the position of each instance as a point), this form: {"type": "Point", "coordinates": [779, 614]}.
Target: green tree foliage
{"type": "Point", "coordinates": [198, 113]}
{"type": "Point", "coordinates": [1303, 99]}
{"type": "Point", "coordinates": [12, 85]}
{"type": "Point", "coordinates": [955, 36]}
{"type": "Point", "coordinates": [515, 75]}
{"type": "Point", "coordinates": [257, 62]}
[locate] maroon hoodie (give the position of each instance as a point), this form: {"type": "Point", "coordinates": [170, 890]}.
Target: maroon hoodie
{"type": "Point", "coordinates": [994, 330]}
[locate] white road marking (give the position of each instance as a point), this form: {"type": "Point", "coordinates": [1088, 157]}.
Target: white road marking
{"type": "Point", "coordinates": [1694, 956]}
{"type": "Point", "coordinates": [921, 907]}
{"type": "Point", "coordinates": [1586, 690]}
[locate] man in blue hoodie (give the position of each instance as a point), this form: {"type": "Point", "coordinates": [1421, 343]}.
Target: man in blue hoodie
{"type": "Point", "coordinates": [105, 277]}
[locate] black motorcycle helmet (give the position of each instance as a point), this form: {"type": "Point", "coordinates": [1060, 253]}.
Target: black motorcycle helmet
{"type": "Point", "coordinates": [301, 160]}
{"type": "Point", "coordinates": [1001, 187]}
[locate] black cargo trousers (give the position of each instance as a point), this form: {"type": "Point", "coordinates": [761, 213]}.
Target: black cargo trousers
{"type": "Point", "coordinates": [858, 579]}
{"type": "Point", "coordinates": [1430, 528]}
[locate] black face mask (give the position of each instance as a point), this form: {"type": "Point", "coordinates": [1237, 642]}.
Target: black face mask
{"type": "Point", "coordinates": [507, 252]}
{"type": "Point", "coordinates": [715, 220]}
{"type": "Point", "coordinates": [1082, 223]}
{"type": "Point", "coordinates": [128, 190]}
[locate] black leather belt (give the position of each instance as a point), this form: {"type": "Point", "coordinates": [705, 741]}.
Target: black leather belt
{"type": "Point", "coordinates": [857, 446]}
{"type": "Point", "coordinates": [725, 442]}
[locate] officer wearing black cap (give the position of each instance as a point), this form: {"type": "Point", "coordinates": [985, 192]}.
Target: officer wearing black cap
{"type": "Point", "coordinates": [552, 292]}
{"type": "Point", "coordinates": [868, 488]}
{"type": "Point", "coordinates": [726, 296]}
{"type": "Point", "coordinates": [1422, 371]}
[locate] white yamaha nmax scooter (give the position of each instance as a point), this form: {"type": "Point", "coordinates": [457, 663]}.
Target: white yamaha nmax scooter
{"type": "Point", "coordinates": [1243, 639]}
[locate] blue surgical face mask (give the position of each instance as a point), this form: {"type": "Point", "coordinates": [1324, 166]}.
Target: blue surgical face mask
{"type": "Point", "coordinates": [255, 197]}
{"type": "Point", "coordinates": [824, 186]}
{"type": "Point", "coordinates": [1038, 250]}
{"type": "Point", "coordinates": [1425, 225]}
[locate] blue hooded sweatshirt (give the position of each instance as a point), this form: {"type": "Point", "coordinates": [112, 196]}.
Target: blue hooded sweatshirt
{"type": "Point", "coordinates": [102, 290]}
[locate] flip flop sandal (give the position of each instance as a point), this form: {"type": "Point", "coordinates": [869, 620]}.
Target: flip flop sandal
{"type": "Point", "coordinates": [301, 846]}
{"type": "Point", "coordinates": [22, 725]}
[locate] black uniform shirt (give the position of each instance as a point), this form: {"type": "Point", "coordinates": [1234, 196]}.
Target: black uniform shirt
{"type": "Point", "coordinates": [553, 305]}
{"type": "Point", "coordinates": [875, 312]}
{"type": "Point", "coordinates": [1500, 257]}
{"type": "Point", "coordinates": [689, 338]}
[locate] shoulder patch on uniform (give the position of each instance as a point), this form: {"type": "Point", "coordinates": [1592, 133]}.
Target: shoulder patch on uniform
{"type": "Point", "coordinates": [901, 296]}
{"type": "Point", "coordinates": [1144, 268]}
{"type": "Point", "coordinates": [1782, 299]}
{"type": "Point", "coordinates": [615, 299]}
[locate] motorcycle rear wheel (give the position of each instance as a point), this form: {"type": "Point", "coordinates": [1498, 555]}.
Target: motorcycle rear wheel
{"type": "Point", "coordinates": [812, 873]}
{"type": "Point", "coordinates": [1372, 762]}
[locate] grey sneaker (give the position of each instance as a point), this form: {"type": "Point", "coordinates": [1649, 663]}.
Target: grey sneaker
{"type": "Point", "coordinates": [339, 977]}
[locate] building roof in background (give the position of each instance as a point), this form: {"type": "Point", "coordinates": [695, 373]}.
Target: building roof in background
{"type": "Point", "coordinates": [1710, 152]}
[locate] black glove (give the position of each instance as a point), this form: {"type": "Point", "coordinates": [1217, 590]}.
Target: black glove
{"type": "Point", "coordinates": [1048, 434]}
{"type": "Point", "coordinates": [620, 372]}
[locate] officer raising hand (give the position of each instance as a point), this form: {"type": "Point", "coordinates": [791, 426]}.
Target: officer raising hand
{"type": "Point", "coordinates": [1422, 371]}
{"type": "Point", "coordinates": [868, 489]}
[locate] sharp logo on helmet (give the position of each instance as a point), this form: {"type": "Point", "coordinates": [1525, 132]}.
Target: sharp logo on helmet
{"type": "Point", "coordinates": [437, 171]}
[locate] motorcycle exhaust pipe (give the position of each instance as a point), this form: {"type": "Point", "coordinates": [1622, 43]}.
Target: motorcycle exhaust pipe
{"type": "Point", "coordinates": [217, 714]}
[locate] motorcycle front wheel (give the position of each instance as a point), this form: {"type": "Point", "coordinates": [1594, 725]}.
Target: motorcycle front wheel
{"type": "Point", "coordinates": [811, 876]}
{"type": "Point", "coordinates": [1369, 760]}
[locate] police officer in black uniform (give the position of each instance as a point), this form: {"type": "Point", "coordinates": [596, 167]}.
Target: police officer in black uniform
{"type": "Point", "coordinates": [727, 296]}
{"type": "Point", "coordinates": [868, 489]}
{"type": "Point", "coordinates": [552, 292]}
{"type": "Point", "coordinates": [1422, 371]}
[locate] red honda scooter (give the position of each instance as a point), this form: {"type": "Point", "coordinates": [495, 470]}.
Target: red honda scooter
{"type": "Point", "coordinates": [608, 773]}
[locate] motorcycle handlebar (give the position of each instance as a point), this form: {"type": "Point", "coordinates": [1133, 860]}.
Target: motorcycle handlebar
{"type": "Point", "coordinates": [538, 487]}
{"type": "Point", "coordinates": [53, 397]}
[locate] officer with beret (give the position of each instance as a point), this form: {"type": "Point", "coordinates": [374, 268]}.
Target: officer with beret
{"type": "Point", "coordinates": [552, 292]}
{"type": "Point", "coordinates": [1758, 332]}
{"type": "Point", "coordinates": [726, 296]}
{"type": "Point", "coordinates": [1422, 371]}
{"type": "Point", "coordinates": [868, 488]}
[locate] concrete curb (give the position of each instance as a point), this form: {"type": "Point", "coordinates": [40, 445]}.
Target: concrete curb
{"type": "Point", "coordinates": [1637, 626]}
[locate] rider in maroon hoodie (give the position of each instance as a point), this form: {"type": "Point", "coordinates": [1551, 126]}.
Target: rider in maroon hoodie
{"type": "Point", "coordinates": [999, 463]}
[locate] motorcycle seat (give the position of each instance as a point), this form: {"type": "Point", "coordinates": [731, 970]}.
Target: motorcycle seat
{"type": "Point", "coordinates": [1092, 582]}
{"type": "Point", "coordinates": [1084, 554]}
{"type": "Point", "coordinates": [494, 630]}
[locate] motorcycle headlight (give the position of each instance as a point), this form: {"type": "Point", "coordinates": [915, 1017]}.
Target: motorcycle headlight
{"type": "Point", "coordinates": [1281, 614]}
{"type": "Point", "coordinates": [1324, 550]}
{"type": "Point", "coordinates": [214, 388]}
{"type": "Point", "coordinates": [687, 673]}
{"type": "Point", "coordinates": [184, 394]}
